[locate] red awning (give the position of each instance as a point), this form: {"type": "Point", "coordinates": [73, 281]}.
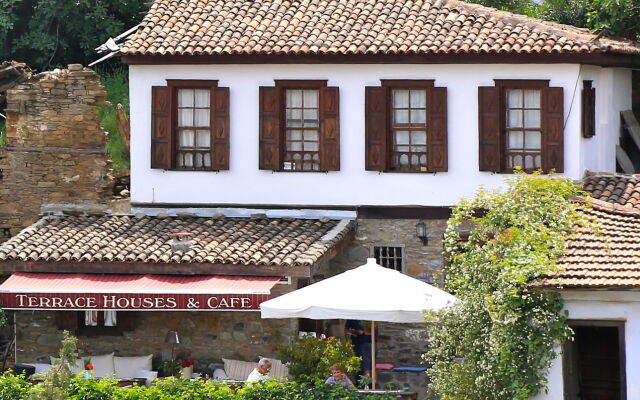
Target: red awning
{"type": "Point", "coordinates": [36, 291]}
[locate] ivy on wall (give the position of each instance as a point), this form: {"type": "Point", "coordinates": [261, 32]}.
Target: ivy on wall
{"type": "Point", "coordinates": [497, 342]}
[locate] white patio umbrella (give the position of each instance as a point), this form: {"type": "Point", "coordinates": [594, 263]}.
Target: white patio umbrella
{"type": "Point", "coordinates": [369, 292]}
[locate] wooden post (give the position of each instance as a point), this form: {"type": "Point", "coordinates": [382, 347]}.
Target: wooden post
{"type": "Point", "coordinates": [373, 355]}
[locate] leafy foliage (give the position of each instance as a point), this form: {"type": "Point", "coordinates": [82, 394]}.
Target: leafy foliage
{"type": "Point", "coordinates": [13, 387]}
{"type": "Point", "coordinates": [48, 33]}
{"type": "Point", "coordinates": [17, 388]}
{"type": "Point", "coordinates": [497, 343]}
{"type": "Point", "coordinates": [614, 17]}
{"type": "Point", "coordinates": [57, 380]}
{"type": "Point", "coordinates": [116, 83]}
{"type": "Point", "coordinates": [310, 358]}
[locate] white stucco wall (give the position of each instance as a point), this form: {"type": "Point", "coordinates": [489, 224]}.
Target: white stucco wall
{"type": "Point", "coordinates": [244, 183]}
{"type": "Point", "coordinates": [603, 305]}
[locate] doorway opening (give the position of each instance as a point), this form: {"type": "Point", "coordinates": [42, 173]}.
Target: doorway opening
{"type": "Point", "coordinates": [594, 362]}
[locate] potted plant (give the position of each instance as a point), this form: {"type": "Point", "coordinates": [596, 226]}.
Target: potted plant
{"type": "Point", "coordinates": [169, 367]}
{"type": "Point", "coordinates": [186, 366]}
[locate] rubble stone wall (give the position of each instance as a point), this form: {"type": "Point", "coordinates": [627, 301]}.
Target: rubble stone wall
{"type": "Point", "coordinates": [56, 149]}
{"type": "Point", "coordinates": [207, 336]}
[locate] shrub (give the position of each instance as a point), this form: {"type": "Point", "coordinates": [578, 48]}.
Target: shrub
{"type": "Point", "coordinates": [497, 343]}
{"type": "Point", "coordinates": [13, 387]}
{"type": "Point", "coordinates": [116, 84]}
{"type": "Point", "coordinates": [16, 387]}
{"type": "Point", "coordinates": [310, 359]}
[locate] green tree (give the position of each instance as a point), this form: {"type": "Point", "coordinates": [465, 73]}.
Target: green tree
{"type": "Point", "coordinates": [49, 33]}
{"type": "Point", "coordinates": [57, 380]}
{"type": "Point", "coordinates": [497, 342]}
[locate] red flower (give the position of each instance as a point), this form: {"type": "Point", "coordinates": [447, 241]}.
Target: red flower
{"type": "Point", "coordinates": [184, 364]}
{"type": "Point", "coordinates": [191, 362]}
{"type": "Point", "coordinates": [89, 366]}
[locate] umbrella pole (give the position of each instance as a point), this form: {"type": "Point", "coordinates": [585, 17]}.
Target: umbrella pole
{"type": "Point", "coordinates": [373, 355]}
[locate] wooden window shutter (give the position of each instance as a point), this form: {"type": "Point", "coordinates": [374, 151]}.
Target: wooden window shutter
{"type": "Point", "coordinates": [329, 129]}
{"type": "Point", "coordinates": [588, 110]}
{"type": "Point", "coordinates": [161, 127]}
{"type": "Point", "coordinates": [220, 126]}
{"type": "Point", "coordinates": [68, 320]}
{"type": "Point", "coordinates": [437, 128]}
{"type": "Point", "coordinates": [376, 123]}
{"type": "Point", "coordinates": [270, 132]}
{"type": "Point", "coordinates": [127, 320]}
{"type": "Point", "coordinates": [490, 149]}
{"type": "Point", "coordinates": [553, 129]}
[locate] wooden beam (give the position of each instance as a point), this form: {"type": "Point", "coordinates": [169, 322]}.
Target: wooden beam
{"type": "Point", "coordinates": [150, 268]}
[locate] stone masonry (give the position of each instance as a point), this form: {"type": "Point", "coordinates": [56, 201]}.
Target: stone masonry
{"type": "Point", "coordinates": [207, 335]}
{"type": "Point", "coordinates": [398, 344]}
{"type": "Point", "coordinates": [56, 148]}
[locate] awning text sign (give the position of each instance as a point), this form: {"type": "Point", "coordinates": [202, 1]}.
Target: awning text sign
{"type": "Point", "coordinates": [139, 302]}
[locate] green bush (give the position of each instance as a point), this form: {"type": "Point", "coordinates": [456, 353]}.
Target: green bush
{"type": "Point", "coordinates": [498, 342]}
{"type": "Point", "coordinates": [16, 387]}
{"type": "Point", "coordinates": [116, 83]}
{"type": "Point", "coordinates": [13, 387]}
{"type": "Point", "coordinates": [310, 359]}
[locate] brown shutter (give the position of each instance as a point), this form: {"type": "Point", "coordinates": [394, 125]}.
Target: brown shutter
{"type": "Point", "coordinates": [552, 129]}
{"type": "Point", "coordinates": [161, 127]}
{"type": "Point", "coordinates": [437, 127]}
{"type": "Point", "coordinates": [68, 320]}
{"type": "Point", "coordinates": [220, 134]}
{"type": "Point", "coordinates": [588, 111]}
{"type": "Point", "coordinates": [270, 110]}
{"type": "Point", "coordinates": [490, 153]}
{"type": "Point", "coordinates": [329, 129]}
{"type": "Point", "coordinates": [376, 123]}
{"type": "Point", "coordinates": [126, 320]}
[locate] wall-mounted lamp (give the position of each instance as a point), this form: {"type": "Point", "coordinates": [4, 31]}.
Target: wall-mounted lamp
{"type": "Point", "coordinates": [421, 232]}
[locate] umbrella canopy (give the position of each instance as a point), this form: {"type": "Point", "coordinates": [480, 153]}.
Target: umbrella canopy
{"type": "Point", "coordinates": [369, 292]}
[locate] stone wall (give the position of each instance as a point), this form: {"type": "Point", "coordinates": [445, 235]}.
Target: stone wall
{"type": "Point", "coordinates": [56, 148]}
{"type": "Point", "coordinates": [398, 344]}
{"type": "Point", "coordinates": [207, 336]}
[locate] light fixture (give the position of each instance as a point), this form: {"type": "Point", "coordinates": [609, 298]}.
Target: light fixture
{"type": "Point", "coordinates": [173, 339]}
{"type": "Point", "coordinates": [421, 232]}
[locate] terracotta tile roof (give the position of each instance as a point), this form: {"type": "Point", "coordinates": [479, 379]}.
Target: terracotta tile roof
{"type": "Point", "coordinates": [605, 257]}
{"type": "Point", "coordinates": [614, 188]}
{"type": "Point", "coordinates": [352, 27]}
{"type": "Point", "coordinates": [239, 241]}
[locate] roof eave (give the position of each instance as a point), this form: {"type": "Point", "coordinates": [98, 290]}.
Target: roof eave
{"type": "Point", "coordinates": [605, 59]}
{"type": "Point", "coordinates": [110, 267]}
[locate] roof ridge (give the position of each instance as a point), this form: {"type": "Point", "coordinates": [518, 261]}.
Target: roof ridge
{"type": "Point", "coordinates": [581, 33]}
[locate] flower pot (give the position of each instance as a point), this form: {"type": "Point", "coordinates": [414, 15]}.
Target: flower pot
{"type": "Point", "coordinates": [186, 372]}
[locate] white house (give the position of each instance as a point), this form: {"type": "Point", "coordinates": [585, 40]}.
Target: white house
{"type": "Point", "coordinates": [385, 112]}
{"type": "Point", "coordinates": [600, 284]}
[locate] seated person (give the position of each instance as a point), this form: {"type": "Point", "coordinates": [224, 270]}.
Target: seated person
{"type": "Point", "coordinates": [338, 377]}
{"type": "Point", "coordinates": [259, 374]}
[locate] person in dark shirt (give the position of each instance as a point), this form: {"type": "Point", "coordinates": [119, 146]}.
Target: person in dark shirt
{"type": "Point", "coordinates": [361, 340]}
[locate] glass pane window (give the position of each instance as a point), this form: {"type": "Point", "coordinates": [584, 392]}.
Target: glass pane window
{"type": "Point", "coordinates": [409, 129]}
{"type": "Point", "coordinates": [194, 129]}
{"type": "Point", "coordinates": [302, 130]}
{"type": "Point", "coordinates": [523, 128]}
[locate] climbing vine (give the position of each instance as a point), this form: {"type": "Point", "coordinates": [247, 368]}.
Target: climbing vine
{"type": "Point", "coordinates": [497, 342]}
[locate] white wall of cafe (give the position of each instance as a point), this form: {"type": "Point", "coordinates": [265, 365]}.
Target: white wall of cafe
{"type": "Point", "coordinates": [609, 306]}
{"type": "Point", "coordinates": [244, 183]}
